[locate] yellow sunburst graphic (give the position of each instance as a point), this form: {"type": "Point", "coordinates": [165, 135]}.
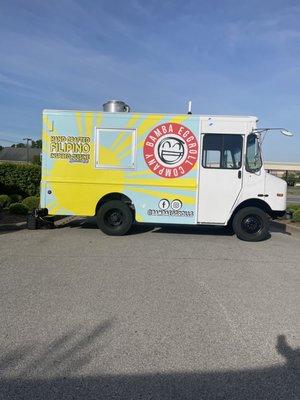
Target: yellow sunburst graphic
{"type": "Point", "coordinates": [78, 187]}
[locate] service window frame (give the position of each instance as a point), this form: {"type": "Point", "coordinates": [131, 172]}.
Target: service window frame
{"type": "Point", "coordinates": [101, 131]}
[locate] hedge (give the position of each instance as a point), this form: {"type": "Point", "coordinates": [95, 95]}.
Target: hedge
{"type": "Point", "coordinates": [15, 198]}
{"type": "Point", "coordinates": [4, 200]}
{"type": "Point", "coordinates": [31, 202]}
{"type": "Point", "coordinates": [23, 179]}
{"type": "Point", "coordinates": [18, 208]}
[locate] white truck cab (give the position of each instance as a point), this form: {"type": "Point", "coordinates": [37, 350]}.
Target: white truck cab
{"type": "Point", "coordinates": [234, 187]}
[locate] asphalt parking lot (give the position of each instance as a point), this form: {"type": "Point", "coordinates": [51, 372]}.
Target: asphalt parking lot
{"type": "Point", "coordinates": [172, 313]}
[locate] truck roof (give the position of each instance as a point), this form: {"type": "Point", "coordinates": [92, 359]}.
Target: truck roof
{"type": "Point", "coordinates": [205, 116]}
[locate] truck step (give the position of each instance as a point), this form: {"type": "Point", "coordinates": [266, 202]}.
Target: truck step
{"type": "Point", "coordinates": [66, 220]}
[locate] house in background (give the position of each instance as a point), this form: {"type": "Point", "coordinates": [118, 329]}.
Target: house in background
{"type": "Point", "coordinates": [20, 154]}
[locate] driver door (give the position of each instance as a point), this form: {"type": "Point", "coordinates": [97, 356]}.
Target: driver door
{"type": "Point", "coordinates": [220, 180]}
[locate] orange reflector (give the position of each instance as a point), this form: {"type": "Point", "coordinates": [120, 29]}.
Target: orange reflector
{"type": "Point", "coordinates": [279, 194]}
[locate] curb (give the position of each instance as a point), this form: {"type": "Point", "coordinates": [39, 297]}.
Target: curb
{"type": "Point", "coordinates": [293, 230]}
{"type": "Point", "coordinates": [17, 226]}
{"type": "Point", "coordinates": [287, 228]}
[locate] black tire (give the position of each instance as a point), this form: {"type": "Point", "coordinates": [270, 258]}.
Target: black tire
{"type": "Point", "coordinates": [251, 224]}
{"type": "Point", "coordinates": [114, 218]}
{"type": "Point", "coordinates": [32, 222]}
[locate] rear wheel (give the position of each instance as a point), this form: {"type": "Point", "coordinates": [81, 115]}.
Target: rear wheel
{"type": "Point", "coordinates": [251, 224]}
{"type": "Point", "coordinates": [114, 218]}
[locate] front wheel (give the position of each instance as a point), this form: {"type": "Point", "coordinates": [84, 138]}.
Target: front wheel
{"type": "Point", "coordinates": [251, 224]}
{"type": "Point", "coordinates": [114, 218]}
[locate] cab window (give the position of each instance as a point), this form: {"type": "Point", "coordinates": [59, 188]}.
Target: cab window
{"type": "Point", "coordinates": [253, 154]}
{"type": "Point", "coordinates": [222, 151]}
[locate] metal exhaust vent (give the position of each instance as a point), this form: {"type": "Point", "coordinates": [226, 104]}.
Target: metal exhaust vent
{"type": "Point", "coordinates": [116, 106]}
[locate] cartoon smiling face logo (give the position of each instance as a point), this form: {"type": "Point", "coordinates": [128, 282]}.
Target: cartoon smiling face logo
{"type": "Point", "coordinates": [171, 150]}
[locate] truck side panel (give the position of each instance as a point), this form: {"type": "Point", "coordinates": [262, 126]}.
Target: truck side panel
{"type": "Point", "coordinates": [152, 159]}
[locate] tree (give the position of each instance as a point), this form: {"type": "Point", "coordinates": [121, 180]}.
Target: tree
{"type": "Point", "coordinates": [32, 143]}
{"type": "Point", "coordinates": [19, 145]}
{"type": "Point", "coordinates": [292, 178]}
{"type": "Point", "coordinates": [36, 143]}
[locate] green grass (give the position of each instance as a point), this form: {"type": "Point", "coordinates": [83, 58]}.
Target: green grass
{"type": "Point", "coordinates": [296, 216]}
{"type": "Point", "coordinates": [295, 209]}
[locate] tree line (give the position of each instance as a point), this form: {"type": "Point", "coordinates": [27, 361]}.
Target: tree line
{"type": "Point", "coordinates": [33, 143]}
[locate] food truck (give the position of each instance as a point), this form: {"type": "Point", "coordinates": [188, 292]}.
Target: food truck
{"type": "Point", "coordinates": [123, 166]}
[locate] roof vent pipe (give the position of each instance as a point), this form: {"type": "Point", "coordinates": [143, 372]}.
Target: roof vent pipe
{"type": "Point", "coordinates": [116, 106]}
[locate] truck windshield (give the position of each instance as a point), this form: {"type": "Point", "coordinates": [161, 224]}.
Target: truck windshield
{"type": "Point", "coordinates": [253, 154]}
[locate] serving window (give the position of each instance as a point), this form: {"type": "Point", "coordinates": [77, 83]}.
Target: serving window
{"type": "Point", "coordinates": [115, 148]}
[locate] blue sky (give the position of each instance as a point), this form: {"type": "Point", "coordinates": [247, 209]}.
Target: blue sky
{"type": "Point", "coordinates": [228, 57]}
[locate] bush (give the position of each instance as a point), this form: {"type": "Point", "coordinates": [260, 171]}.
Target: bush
{"type": "Point", "coordinates": [4, 200]}
{"type": "Point", "coordinates": [291, 179]}
{"type": "Point", "coordinates": [296, 216]}
{"type": "Point", "coordinates": [20, 178]}
{"type": "Point", "coordinates": [15, 198]}
{"type": "Point", "coordinates": [36, 160]}
{"type": "Point", "coordinates": [31, 202]}
{"type": "Point", "coordinates": [18, 208]}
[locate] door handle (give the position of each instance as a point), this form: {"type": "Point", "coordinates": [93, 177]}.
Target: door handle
{"type": "Point", "coordinates": [240, 174]}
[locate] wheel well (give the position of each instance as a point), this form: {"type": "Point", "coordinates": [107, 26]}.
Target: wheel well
{"type": "Point", "coordinates": [114, 196]}
{"type": "Point", "coordinates": [253, 203]}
